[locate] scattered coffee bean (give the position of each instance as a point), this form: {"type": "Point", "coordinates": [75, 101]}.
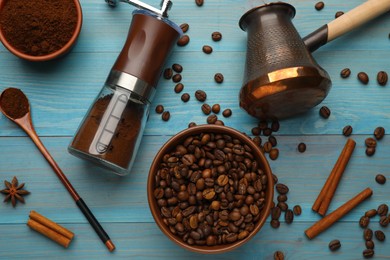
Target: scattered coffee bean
{"type": "Point", "coordinates": [176, 78]}
{"type": "Point", "coordinates": [283, 206]}
{"type": "Point", "coordinates": [370, 142]}
{"type": "Point", "coordinates": [379, 132]}
{"type": "Point", "coordinates": [370, 213]}
{"type": "Point", "coordinates": [256, 131]}
{"type": "Point", "coordinates": [301, 147]}
{"type": "Point", "coordinates": [179, 87]}
{"type": "Point", "coordinates": [334, 245]}
{"type": "Point", "coordinates": [370, 151]}
{"type": "Point", "coordinates": [272, 140]}
{"type": "Point", "coordinates": [345, 73]}
{"type": "Point", "coordinates": [364, 221]}
{"type": "Point", "coordinates": [165, 115]}
{"type": "Point", "coordinates": [380, 235]}
{"type": "Point", "coordinates": [274, 154]}
{"type": "Point", "coordinates": [278, 255]}
{"type": "Point", "coordinates": [206, 109]}
{"type": "Point", "coordinates": [216, 108]}
{"type": "Point", "coordinates": [267, 147]}
{"type": "Point", "coordinates": [168, 73]}
{"type": "Point", "coordinates": [382, 210]}
{"type": "Point", "coordinates": [338, 14]}
{"type": "Point", "coordinates": [257, 140]}
{"type": "Point", "coordinates": [380, 178]}
{"type": "Point", "coordinates": [276, 212]}
{"type": "Point", "coordinates": [185, 97]}
{"type": "Point", "coordinates": [177, 68]}
{"type": "Point", "coordinates": [384, 221]}
{"type": "Point", "coordinates": [184, 27]}
{"type": "Point", "coordinates": [275, 125]}
{"type": "Point", "coordinates": [211, 119]}
{"type": "Point", "coordinates": [368, 253]}
{"type": "Point", "coordinates": [219, 122]}
{"type": "Point", "coordinates": [227, 112]}
{"type": "Point", "coordinates": [200, 95]}
{"type": "Point", "coordinates": [347, 130]}
{"type": "Point", "coordinates": [263, 124]}
{"type": "Point", "coordinates": [207, 49]}
{"type": "Point", "coordinates": [325, 112]}
{"type": "Point", "coordinates": [199, 2]}
{"type": "Point", "coordinates": [191, 124]}
{"type": "Point", "coordinates": [275, 223]}
{"type": "Point", "coordinates": [370, 244]}
{"type": "Point", "coordinates": [183, 41]}
{"type": "Point", "coordinates": [267, 131]}
{"type": "Point", "coordinates": [282, 188]}
{"type": "Point", "coordinates": [367, 234]}
{"type": "Point", "coordinates": [216, 36]}
{"type": "Point", "coordinates": [382, 78]}
{"type": "Point", "coordinates": [159, 109]}
{"type": "Point", "coordinates": [363, 78]}
{"type": "Point", "coordinates": [319, 6]}
{"type": "Point", "coordinates": [289, 216]}
{"type": "Point", "coordinates": [297, 210]}
{"type": "Point", "coordinates": [218, 77]}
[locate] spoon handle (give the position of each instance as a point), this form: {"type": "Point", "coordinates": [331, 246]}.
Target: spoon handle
{"type": "Point", "coordinates": [29, 129]}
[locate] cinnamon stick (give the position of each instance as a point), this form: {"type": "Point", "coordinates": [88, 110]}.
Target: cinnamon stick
{"type": "Point", "coordinates": [50, 224]}
{"type": "Point", "coordinates": [330, 219]}
{"type": "Point", "coordinates": [344, 159]}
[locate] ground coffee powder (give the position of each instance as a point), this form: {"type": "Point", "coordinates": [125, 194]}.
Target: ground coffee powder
{"type": "Point", "coordinates": [14, 103]}
{"type": "Point", "coordinates": [38, 27]}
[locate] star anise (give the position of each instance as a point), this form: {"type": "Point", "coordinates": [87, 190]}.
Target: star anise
{"type": "Point", "coordinates": [14, 191]}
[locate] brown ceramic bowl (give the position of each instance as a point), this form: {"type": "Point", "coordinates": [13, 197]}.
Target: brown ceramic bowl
{"type": "Point", "coordinates": [178, 139]}
{"type": "Point", "coordinates": [56, 54]}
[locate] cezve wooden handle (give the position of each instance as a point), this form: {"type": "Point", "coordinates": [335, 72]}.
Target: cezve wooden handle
{"type": "Point", "coordinates": [347, 22]}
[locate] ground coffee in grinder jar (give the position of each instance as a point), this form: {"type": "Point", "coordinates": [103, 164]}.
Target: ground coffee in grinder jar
{"type": "Point", "coordinates": [111, 131]}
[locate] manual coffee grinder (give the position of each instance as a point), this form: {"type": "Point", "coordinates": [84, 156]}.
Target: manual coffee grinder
{"type": "Point", "coordinates": [111, 131]}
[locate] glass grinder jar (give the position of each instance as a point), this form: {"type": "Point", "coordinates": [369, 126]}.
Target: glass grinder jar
{"type": "Point", "coordinates": [111, 131]}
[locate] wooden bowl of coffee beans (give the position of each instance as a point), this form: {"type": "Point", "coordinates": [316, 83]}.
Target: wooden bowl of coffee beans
{"type": "Point", "coordinates": [210, 189]}
{"type": "Point", "coordinates": [40, 30]}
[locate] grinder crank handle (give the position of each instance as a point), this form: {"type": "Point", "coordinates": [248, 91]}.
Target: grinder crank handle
{"type": "Point", "coordinates": [345, 23]}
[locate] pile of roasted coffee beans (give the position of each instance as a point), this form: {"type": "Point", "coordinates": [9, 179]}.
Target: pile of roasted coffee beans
{"type": "Point", "coordinates": [211, 190]}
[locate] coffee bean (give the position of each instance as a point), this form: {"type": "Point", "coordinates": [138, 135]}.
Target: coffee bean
{"type": "Point", "coordinates": [382, 78]}
{"type": "Point", "coordinates": [185, 97]}
{"type": "Point", "coordinates": [257, 140]}
{"type": "Point", "coordinates": [334, 245]}
{"type": "Point", "coordinates": [207, 49]}
{"type": "Point", "coordinates": [281, 188]}
{"type": "Point", "coordinates": [177, 68]}
{"type": "Point", "coordinates": [345, 73]}
{"type": "Point", "coordinates": [267, 147]}
{"type": "Point", "coordinates": [219, 122]}
{"type": "Point", "coordinates": [278, 255]}
{"type": "Point", "coordinates": [347, 130]}
{"type": "Point", "coordinates": [184, 27]}
{"type": "Point", "coordinates": [275, 125]}
{"type": "Point", "coordinates": [179, 87]}
{"type": "Point", "coordinates": [256, 131]}
{"type": "Point", "coordinates": [216, 108]}
{"type": "Point", "coordinates": [325, 112]}
{"type": "Point", "coordinates": [267, 131]}
{"type": "Point", "coordinates": [289, 216]}
{"type": "Point", "coordinates": [338, 14]}
{"type": "Point", "coordinates": [297, 210]}
{"type": "Point", "coordinates": [274, 153]}
{"type": "Point", "coordinates": [216, 36]}
{"type": "Point", "coordinates": [159, 109]}
{"type": "Point", "coordinates": [183, 41]}
{"type": "Point", "coordinates": [191, 124]}
{"type": "Point", "coordinates": [370, 142]}
{"type": "Point", "coordinates": [380, 235]}
{"type": "Point", "coordinates": [382, 210]}
{"type": "Point", "coordinates": [165, 115]}
{"type": "Point", "coordinates": [301, 147]}
{"type": "Point", "coordinates": [176, 78]}
{"type": "Point", "coordinates": [275, 223]}
{"type": "Point", "coordinates": [370, 213]}
{"type": "Point", "coordinates": [370, 244]}
{"type": "Point", "coordinates": [218, 77]}
{"type": "Point", "coordinates": [206, 109]}
{"type": "Point", "coordinates": [363, 78]}
{"type": "Point", "coordinates": [370, 151]}
{"type": "Point", "coordinates": [200, 95]}
{"type": "Point", "coordinates": [263, 124]}
{"type": "Point", "coordinates": [282, 198]}
{"type": "Point", "coordinates": [168, 73]}
{"type": "Point", "coordinates": [364, 221]}
{"type": "Point", "coordinates": [367, 234]}
{"type": "Point", "coordinates": [319, 6]}
{"type": "Point", "coordinates": [275, 212]}
{"type": "Point", "coordinates": [384, 221]}
{"type": "Point", "coordinates": [380, 178]}
{"type": "Point", "coordinates": [211, 119]}
{"type": "Point", "coordinates": [368, 253]}
{"type": "Point", "coordinates": [283, 206]}
{"type": "Point", "coordinates": [199, 2]}
{"type": "Point", "coordinates": [227, 112]}
{"type": "Point", "coordinates": [379, 132]}
{"type": "Point", "coordinates": [272, 140]}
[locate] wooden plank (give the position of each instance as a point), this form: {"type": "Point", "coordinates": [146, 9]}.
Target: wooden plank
{"type": "Point", "coordinates": [116, 199]}
{"type": "Point", "coordinates": [146, 241]}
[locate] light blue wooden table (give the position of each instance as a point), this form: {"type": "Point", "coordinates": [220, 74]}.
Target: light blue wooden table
{"type": "Point", "coordinates": [61, 91]}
